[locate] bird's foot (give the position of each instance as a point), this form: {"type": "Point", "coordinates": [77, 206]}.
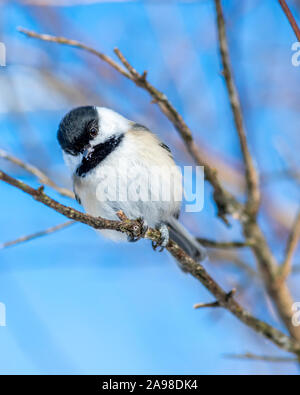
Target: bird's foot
{"type": "Point", "coordinates": [133, 237]}
{"type": "Point", "coordinates": [164, 238]}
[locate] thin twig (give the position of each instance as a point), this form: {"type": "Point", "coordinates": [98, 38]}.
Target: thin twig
{"type": "Point", "coordinates": [206, 305]}
{"type": "Point", "coordinates": [251, 173]}
{"type": "Point", "coordinates": [135, 228]}
{"type": "Point", "coordinates": [216, 303]}
{"type": "Point", "coordinates": [291, 247]}
{"type": "Point", "coordinates": [263, 358]}
{"type": "Point", "coordinates": [42, 177]}
{"type": "Point", "coordinates": [76, 44]}
{"type": "Point", "coordinates": [223, 244]}
{"type": "Point", "coordinates": [286, 174]}
{"type": "Point", "coordinates": [69, 212]}
{"type": "Point", "coordinates": [290, 18]}
{"type": "Point", "coordinates": [35, 235]}
{"type": "Point", "coordinates": [231, 257]}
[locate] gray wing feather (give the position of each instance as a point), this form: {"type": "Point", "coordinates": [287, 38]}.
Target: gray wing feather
{"type": "Point", "coordinates": [186, 241]}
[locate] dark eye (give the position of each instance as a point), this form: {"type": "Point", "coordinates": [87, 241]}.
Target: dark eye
{"type": "Point", "coordinates": [93, 128]}
{"type": "Point", "coordinates": [93, 131]}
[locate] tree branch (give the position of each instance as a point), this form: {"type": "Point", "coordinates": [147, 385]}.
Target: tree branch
{"type": "Point", "coordinates": [290, 18]}
{"type": "Point", "coordinates": [135, 227]}
{"type": "Point", "coordinates": [223, 244]}
{"type": "Point", "coordinates": [35, 235]}
{"type": "Point", "coordinates": [216, 303]}
{"type": "Point", "coordinates": [76, 44]}
{"type": "Point", "coordinates": [251, 173]}
{"type": "Point", "coordinates": [42, 177]}
{"type": "Point", "coordinates": [291, 247]}
{"type": "Point", "coordinates": [129, 227]}
{"type": "Point", "coordinates": [263, 358]}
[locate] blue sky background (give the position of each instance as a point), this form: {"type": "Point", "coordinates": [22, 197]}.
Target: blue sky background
{"type": "Point", "coordinates": [79, 304]}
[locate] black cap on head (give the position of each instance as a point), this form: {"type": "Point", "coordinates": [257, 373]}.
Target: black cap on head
{"type": "Point", "coordinates": [73, 132]}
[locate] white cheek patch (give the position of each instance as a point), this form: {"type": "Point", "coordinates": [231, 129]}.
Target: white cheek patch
{"type": "Point", "coordinates": [110, 123]}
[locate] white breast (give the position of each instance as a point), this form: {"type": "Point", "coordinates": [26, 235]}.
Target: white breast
{"type": "Point", "coordinates": [135, 178]}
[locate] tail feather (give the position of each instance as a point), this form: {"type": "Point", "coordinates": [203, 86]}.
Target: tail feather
{"type": "Point", "coordinates": [186, 241]}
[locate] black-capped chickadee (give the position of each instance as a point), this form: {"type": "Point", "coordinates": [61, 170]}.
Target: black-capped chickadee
{"type": "Point", "coordinates": [114, 163]}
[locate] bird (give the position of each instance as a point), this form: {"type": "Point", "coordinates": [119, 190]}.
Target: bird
{"type": "Point", "coordinates": [107, 154]}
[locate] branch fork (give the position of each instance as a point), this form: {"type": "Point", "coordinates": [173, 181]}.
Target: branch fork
{"type": "Point", "coordinates": [217, 303]}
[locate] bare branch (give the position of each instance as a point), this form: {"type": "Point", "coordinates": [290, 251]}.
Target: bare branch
{"type": "Point", "coordinates": [223, 245]}
{"type": "Point", "coordinates": [42, 177]}
{"type": "Point", "coordinates": [231, 257]}
{"type": "Point", "coordinates": [69, 212]}
{"type": "Point", "coordinates": [277, 290]}
{"type": "Point", "coordinates": [216, 303]}
{"type": "Point", "coordinates": [76, 44]}
{"type": "Point", "coordinates": [264, 358]}
{"type": "Point", "coordinates": [206, 305]}
{"type": "Point", "coordinates": [291, 247]}
{"type": "Point", "coordinates": [251, 173]}
{"type": "Point", "coordinates": [290, 18]}
{"type": "Point", "coordinates": [135, 227]}
{"type": "Point", "coordinates": [286, 174]}
{"type": "Point", "coordinates": [35, 235]}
